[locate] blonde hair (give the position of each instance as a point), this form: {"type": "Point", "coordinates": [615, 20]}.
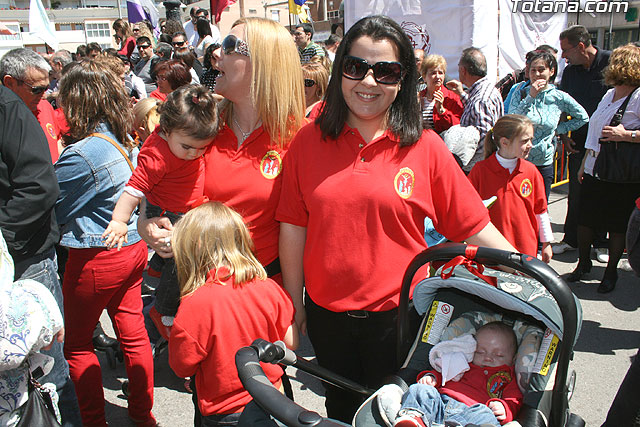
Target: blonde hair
{"type": "Point", "coordinates": [145, 114]}
{"type": "Point", "coordinates": [509, 126]}
{"type": "Point", "coordinates": [277, 86]}
{"type": "Point", "coordinates": [319, 74]}
{"type": "Point", "coordinates": [624, 66]}
{"type": "Point", "coordinates": [432, 61]}
{"type": "Point", "coordinates": [209, 237]}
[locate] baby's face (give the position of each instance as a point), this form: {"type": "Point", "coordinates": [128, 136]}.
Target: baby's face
{"type": "Point", "coordinates": [493, 349]}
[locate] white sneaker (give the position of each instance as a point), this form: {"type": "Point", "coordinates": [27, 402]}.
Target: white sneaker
{"type": "Point", "coordinates": [602, 255]}
{"type": "Point", "coordinates": [624, 265]}
{"type": "Point", "coordinates": [389, 401]}
{"type": "Point", "coordinates": [562, 247]}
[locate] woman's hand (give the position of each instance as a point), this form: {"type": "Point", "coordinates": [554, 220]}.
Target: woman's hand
{"type": "Point", "coordinates": [536, 87]}
{"type": "Point", "coordinates": [547, 252]}
{"type": "Point", "coordinates": [615, 133]}
{"type": "Point", "coordinates": [157, 233]}
{"type": "Point", "coordinates": [438, 98]}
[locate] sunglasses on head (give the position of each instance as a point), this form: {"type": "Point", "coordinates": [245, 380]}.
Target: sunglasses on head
{"type": "Point", "coordinates": [386, 73]}
{"type": "Point", "coordinates": [231, 44]}
{"type": "Point", "coordinates": [309, 82]}
{"type": "Point", "coordinates": [35, 90]}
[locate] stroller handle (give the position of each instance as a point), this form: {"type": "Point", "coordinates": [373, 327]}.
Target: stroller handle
{"type": "Point", "coordinates": [265, 394]}
{"type": "Point", "coordinates": [527, 264]}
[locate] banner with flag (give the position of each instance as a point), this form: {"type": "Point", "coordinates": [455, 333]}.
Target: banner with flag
{"type": "Point", "coordinates": [40, 26]}
{"type": "Point", "coordinates": [296, 7]}
{"type": "Point", "coordinates": [218, 6]}
{"type": "Point", "coordinates": [138, 10]}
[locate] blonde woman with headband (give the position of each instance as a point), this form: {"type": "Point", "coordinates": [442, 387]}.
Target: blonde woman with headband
{"type": "Point", "coordinates": [520, 212]}
{"type": "Point", "coordinates": [263, 109]}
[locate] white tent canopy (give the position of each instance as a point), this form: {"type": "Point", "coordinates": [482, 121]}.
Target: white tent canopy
{"type": "Point", "coordinates": [446, 27]}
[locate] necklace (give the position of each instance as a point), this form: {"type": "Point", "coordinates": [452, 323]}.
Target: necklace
{"type": "Point", "coordinates": [245, 135]}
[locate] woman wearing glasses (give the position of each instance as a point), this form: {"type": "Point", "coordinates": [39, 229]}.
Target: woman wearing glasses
{"type": "Point", "coordinates": [357, 186]}
{"type": "Point", "coordinates": [262, 111]}
{"type": "Point", "coordinates": [316, 79]}
{"type": "Point", "coordinates": [170, 75]}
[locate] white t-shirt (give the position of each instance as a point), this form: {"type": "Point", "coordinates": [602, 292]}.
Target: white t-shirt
{"type": "Point", "coordinates": [602, 117]}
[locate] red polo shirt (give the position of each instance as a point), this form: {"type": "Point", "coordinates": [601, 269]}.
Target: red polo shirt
{"type": "Point", "coordinates": [364, 207]}
{"type": "Point", "coordinates": [521, 197]}
{"type": "Point", "coordinates": [248, 180]}
{"type": "Point", "coordinates": [45, 115]}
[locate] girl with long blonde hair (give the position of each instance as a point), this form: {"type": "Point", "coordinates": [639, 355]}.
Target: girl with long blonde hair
{"type": "Point", "coordinates": [227, 303]}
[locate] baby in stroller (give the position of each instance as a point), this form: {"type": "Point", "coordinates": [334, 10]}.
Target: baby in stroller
{"type": "Point", "coordinates": [484, 392]}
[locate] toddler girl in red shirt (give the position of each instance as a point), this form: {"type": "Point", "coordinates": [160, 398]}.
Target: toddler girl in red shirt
{"type": "Point", "coordinates": [520, 211]}
{"type": "Point", "coordinates": [227, 303]}
{"type": "Point", "coordinates": [170, 174]}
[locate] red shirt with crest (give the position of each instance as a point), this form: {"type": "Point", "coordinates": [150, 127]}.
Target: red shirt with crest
{"type": "Point", "coordinates": [248, 179]}
{"type": "Point", "coordinates": [46, 117]}
{"type": "Point", "coordinates": [521, 197]}
{"type": "Point", "coordinates": [364, 207]}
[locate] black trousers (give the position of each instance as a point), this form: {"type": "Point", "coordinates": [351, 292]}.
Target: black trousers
{"type": "Point", "coordinates": [358, 345]}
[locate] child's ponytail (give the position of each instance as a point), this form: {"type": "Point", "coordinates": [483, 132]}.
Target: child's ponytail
{"type": "Point", "coordinates": [509, 126]}
{"type": "Point", "coordinates": [191, 109]}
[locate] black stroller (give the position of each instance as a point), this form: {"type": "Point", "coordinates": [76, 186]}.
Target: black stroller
{"type": "Point", "coordinates": [461, 296]}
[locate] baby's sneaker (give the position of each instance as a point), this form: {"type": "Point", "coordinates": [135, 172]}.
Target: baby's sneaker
{"type": "Point", "coordinates": [409, 419]}
{"type": "Point", "coordinates": [389, 399]}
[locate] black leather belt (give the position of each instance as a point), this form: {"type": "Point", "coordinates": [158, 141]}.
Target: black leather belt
{"type": "Point", "coordinates": [273, 268]}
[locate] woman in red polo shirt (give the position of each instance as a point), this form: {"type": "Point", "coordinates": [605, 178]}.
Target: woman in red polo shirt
{"type": "Point", "coordinates": [262, 111]}
{"type": "Point", "coordinates": [357, 186]}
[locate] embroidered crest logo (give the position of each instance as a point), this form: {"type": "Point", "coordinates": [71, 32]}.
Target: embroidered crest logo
{"type": "Point", "coordinates": [526, 188]}
{"type": "Point", "coordinates": [497, 383]}
{"type": "Point", "coordinates": [271, 164]}
{"type": "Point", "coordinates": [404, 183]}
{"type": "Point", "coordinates": [50, 130]}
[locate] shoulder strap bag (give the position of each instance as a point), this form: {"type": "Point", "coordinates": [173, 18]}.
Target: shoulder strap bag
{"type": "Point", "coordinates": [618, 161]}
{"type": "Point", "coordinates": [115, 144]}
{"type": "Point", "coordinates": [38, 411]}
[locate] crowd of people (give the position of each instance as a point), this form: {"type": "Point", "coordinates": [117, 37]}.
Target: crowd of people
{"type": "Point", "coordinates": [269, 197]}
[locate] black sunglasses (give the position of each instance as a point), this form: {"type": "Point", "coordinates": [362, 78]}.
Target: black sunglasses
{"type": "Point", "coordinates": [143, 46]}
{"type": "Point", "coordinates": [179, 43]}
{"type": "Point", "coordinates": [386, 73]}
{"type": "Point", "coordinates": [35, 90]}
{"type": "Point", "coordinates": [231, 44]}
{"type": "Point", "coordinates": [309, 82]}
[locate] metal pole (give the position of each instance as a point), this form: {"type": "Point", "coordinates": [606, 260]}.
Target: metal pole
{"type": "Point", "coordinates": [119, 10]}
{"type": "Point", "coordinates": [241, 8]}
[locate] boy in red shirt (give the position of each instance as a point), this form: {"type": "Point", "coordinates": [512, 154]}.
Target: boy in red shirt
{"type": "Point", "coordinates": [486, 394]}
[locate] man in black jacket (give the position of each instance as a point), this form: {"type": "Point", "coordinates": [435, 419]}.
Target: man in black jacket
{"type": "Point", "coordinates": [28, 193]}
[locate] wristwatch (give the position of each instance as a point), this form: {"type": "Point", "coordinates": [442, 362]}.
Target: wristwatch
{"type": "Point", "coordinates": [633, 134]}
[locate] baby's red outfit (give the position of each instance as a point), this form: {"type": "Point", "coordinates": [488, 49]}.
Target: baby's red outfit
{"type": "Point", "coordinates": [168, 182]}
{"type": "Point", "coordinates": [484, 385]}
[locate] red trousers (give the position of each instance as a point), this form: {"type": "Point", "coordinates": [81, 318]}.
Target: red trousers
{"type": "Point", "coordinates": [96, 279]}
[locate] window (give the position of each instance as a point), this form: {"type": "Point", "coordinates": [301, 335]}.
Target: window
{"type": "Point", "coordinates": [24, 28]}
{"type": "Point", "coordinates": [65, 27]}
{"type": "Point", "coordinates": [78, 27]}
{"type": "Point", "coordinates": [98, 30]}
{"type": "Point", "coordinates": [333, 14]}
{"type": "Point", "coordinates": [253, 11]}
{"type": "Point", "coordinates": [275, 15]}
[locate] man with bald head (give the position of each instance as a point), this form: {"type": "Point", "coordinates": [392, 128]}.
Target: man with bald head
{"type": "Point", "coordinates": [482, 104]}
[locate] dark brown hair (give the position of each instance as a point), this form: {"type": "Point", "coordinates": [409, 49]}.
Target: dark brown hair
{"type": "Point", "coordinates": [175, 71]}
{"type": "Point", "coordinates": [192, 110]}
{"type": "Point", "coordinates": [92, 94]}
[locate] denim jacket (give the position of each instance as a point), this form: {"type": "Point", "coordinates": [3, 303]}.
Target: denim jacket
{"type": "Point", "coordinates": [92, 174]}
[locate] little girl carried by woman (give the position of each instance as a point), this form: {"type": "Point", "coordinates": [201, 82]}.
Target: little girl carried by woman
{"type": "Point", "coordinates": [520, 213]}
{"type": "Point", "coordinates": [170, 174]}
{"type": "Point", "coordinates": [227, 303]}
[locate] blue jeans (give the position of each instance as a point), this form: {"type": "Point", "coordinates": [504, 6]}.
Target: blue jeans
{"type": "Point", "coordinates": [43, 269]}
{"type": "Point", "coordinates": [438, 408]}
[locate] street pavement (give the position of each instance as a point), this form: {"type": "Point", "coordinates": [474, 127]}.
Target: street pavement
{"type": "Point", "coordinates": [609, 338]}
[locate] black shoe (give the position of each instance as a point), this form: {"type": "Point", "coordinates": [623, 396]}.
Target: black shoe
{"type": "Point", "coordinates": [608, 284]}
{"type": "Point", "coordinates": [581, 270]}
{"type": "Point", "coordinates": [102, 341]}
